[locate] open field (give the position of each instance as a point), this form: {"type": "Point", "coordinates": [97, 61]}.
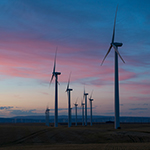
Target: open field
{"type": "Point", "coordinates": [103, 136]}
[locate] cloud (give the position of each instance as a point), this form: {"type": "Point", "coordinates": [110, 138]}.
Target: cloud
{"type": "Point", "coordinates": [6, 107]}
{"type": "Point", "coordinates": [23, 112]}
{"type": "Point", "coordinates": [139, 87]}
{"type": "Point", "coordinates": [139, 98]}
{"type": "Point", "coordinates": [138, 109]}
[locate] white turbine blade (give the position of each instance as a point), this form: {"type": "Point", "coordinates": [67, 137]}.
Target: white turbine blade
{"type": "Point", "coordinates": [81, 101]}
{"type": "Point", "coordinates": [58, 83]}
{"type": "Point", "coordinates": [118, 52]}
{"type": "Point", "coordinates": [106, 54]}
{"type": "Point", "coordinates": [51, 79]}
{"type": "Point", "coordinates": [55, 61]}
{"type": "Point", "coordinates": [84, 93]}
{"type": "Point", "coordinates": [68, 81]}
{"type": "Point", "coordinates": [67, 94]}
{"type": "Point", "coordinates": [53, 67]}
{"type": "Point", "coordinates": [76, 101]}
{"type": "Point", "coordinates": [91, 94]}
{"type": "Point", "coordinates": [113, 36]}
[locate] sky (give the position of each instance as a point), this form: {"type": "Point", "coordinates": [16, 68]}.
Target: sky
{"type": "Point", "coordinates": [30, 32]}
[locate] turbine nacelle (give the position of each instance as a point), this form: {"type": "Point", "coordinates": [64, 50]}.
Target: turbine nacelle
{"type": "Point", "coordinates": [82, 104]}
{"type": "Point", "coordinates": [85, 94]}
{"type": "Point", "coordinates": [117, 44]}
{"type": "Point", "coordinates": [47, 110]}
{"type": "Point", "coordinates": [69, 90]}
{"type": "Point", "coordinates": [56, 73]}
{"type": "Point", "coordinates": [76, 104]}
{"type": "Point", "coordinates": [91, 99]}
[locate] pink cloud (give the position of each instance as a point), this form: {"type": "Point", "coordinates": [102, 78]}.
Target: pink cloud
{"type": "Point", "coordinates": [34, 59]}
{"type": "Point", "coordinates": [134, 98]}
{"type": "Point", "coordinates": [141, 87]}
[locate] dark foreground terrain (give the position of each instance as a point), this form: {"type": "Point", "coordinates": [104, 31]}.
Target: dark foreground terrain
{"type": "Point", "coordinates": [98, 137]}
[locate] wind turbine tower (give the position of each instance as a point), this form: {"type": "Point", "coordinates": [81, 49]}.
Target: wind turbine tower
{"type": "Point", "coordinates": [68, 90]}
{"type": "Point", "coordinates": [47, 116]}
{"type": "Point", "coordinates": [75, 104]}
{"type": "Point", "coordinates": [85, 95]}
{"type": "Point", "coordinates": [54, 73]}
{"type": "Point", "coordinates": [70, 116]}
{"type": "Point", "coordinates": [91, 100]}
{"type": "Point", "coordinates": [115, 45]}
{"type": "Point", "coordinates": [82, 105]}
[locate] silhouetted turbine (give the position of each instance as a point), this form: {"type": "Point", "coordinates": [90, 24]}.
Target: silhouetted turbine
{"type": "Point", "coordinates": [54, 73]}
{"type": "Point", "coordinates": [90, 99]}
{"type": "Point", "coordinates": [75, 104]}
{"type": "Point", "coordinates": [68, 90]}
{"type": "Point", "coordinates": [82, 105]}
{"type": "Point", "coordinates": [85, 95]}
{"type": "Point", "coordinates": [47, 116]}
{"type": "Point", "coordinates": [115, 45]}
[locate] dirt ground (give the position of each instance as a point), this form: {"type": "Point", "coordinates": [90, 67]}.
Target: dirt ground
{"type": "Point", "coordinates": [102, 137]}
{"type": "Point", "coordinates": [112, 146]}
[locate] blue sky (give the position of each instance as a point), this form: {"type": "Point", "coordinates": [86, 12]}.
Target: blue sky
{"type": "Point", "coordinates": [82, 30]}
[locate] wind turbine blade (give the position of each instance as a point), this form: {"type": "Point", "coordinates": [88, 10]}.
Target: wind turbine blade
{"type": "Point", "coordinates": [91, 94]}
{"type": "Point", "coordinates": [76, 101]}
{"type": "Point", "coordinates": [84, 89]}
{"type": "Point", "coordinates": [113, 36]}
{"type": "Point", "coordinates": [51, 80]}
{"type": "Point", "coordinates": [118, 52]}
{"type": "Point", "coordinates": [106, 54]}
{"type": "Point", "coordinates": [53, 68]}
{"type": "Point", "coordinates": [58, 83]}
{"type": "Point", "coordinates": [84, 93]}
{"type": "Point", "coordinates": [69, 81]}
{"type": "Point", "coordinates": [81, 102]}
{"type": "Point", "coordinates": [55, 60]}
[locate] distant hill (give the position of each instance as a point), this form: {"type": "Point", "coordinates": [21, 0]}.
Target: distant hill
{"type": "Point", "coordinates": [64, 119]}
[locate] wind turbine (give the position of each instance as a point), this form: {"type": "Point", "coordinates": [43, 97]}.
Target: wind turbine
{"type": "Point", "coordinates": [68, 90]}
{"type": "Point", "coordinates": [47, 116]}
{"type": "Point", "coordinates": [90, 99]}
{"type": "Point", "coordinates": [82, 105]}
{"type": "Point", "coordinates": [75, 104]}
{"type": "Point", "coordinates": [71, 115]}
{"type": "Point", "coordinates": [115, 45]}
{"type": "Point", "coordinates": [85, 95]}
{"type": "Point", "coordinates": [54, 73]}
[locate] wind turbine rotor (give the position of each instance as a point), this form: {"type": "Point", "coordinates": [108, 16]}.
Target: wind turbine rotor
{"type": "Point", "coordinates": [53, 73]}
{"type": "Point", "coordinates": [114, 46]}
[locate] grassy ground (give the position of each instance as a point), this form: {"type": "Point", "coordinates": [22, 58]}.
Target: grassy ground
{"type": "Point", "coordinates": [103, 136]}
